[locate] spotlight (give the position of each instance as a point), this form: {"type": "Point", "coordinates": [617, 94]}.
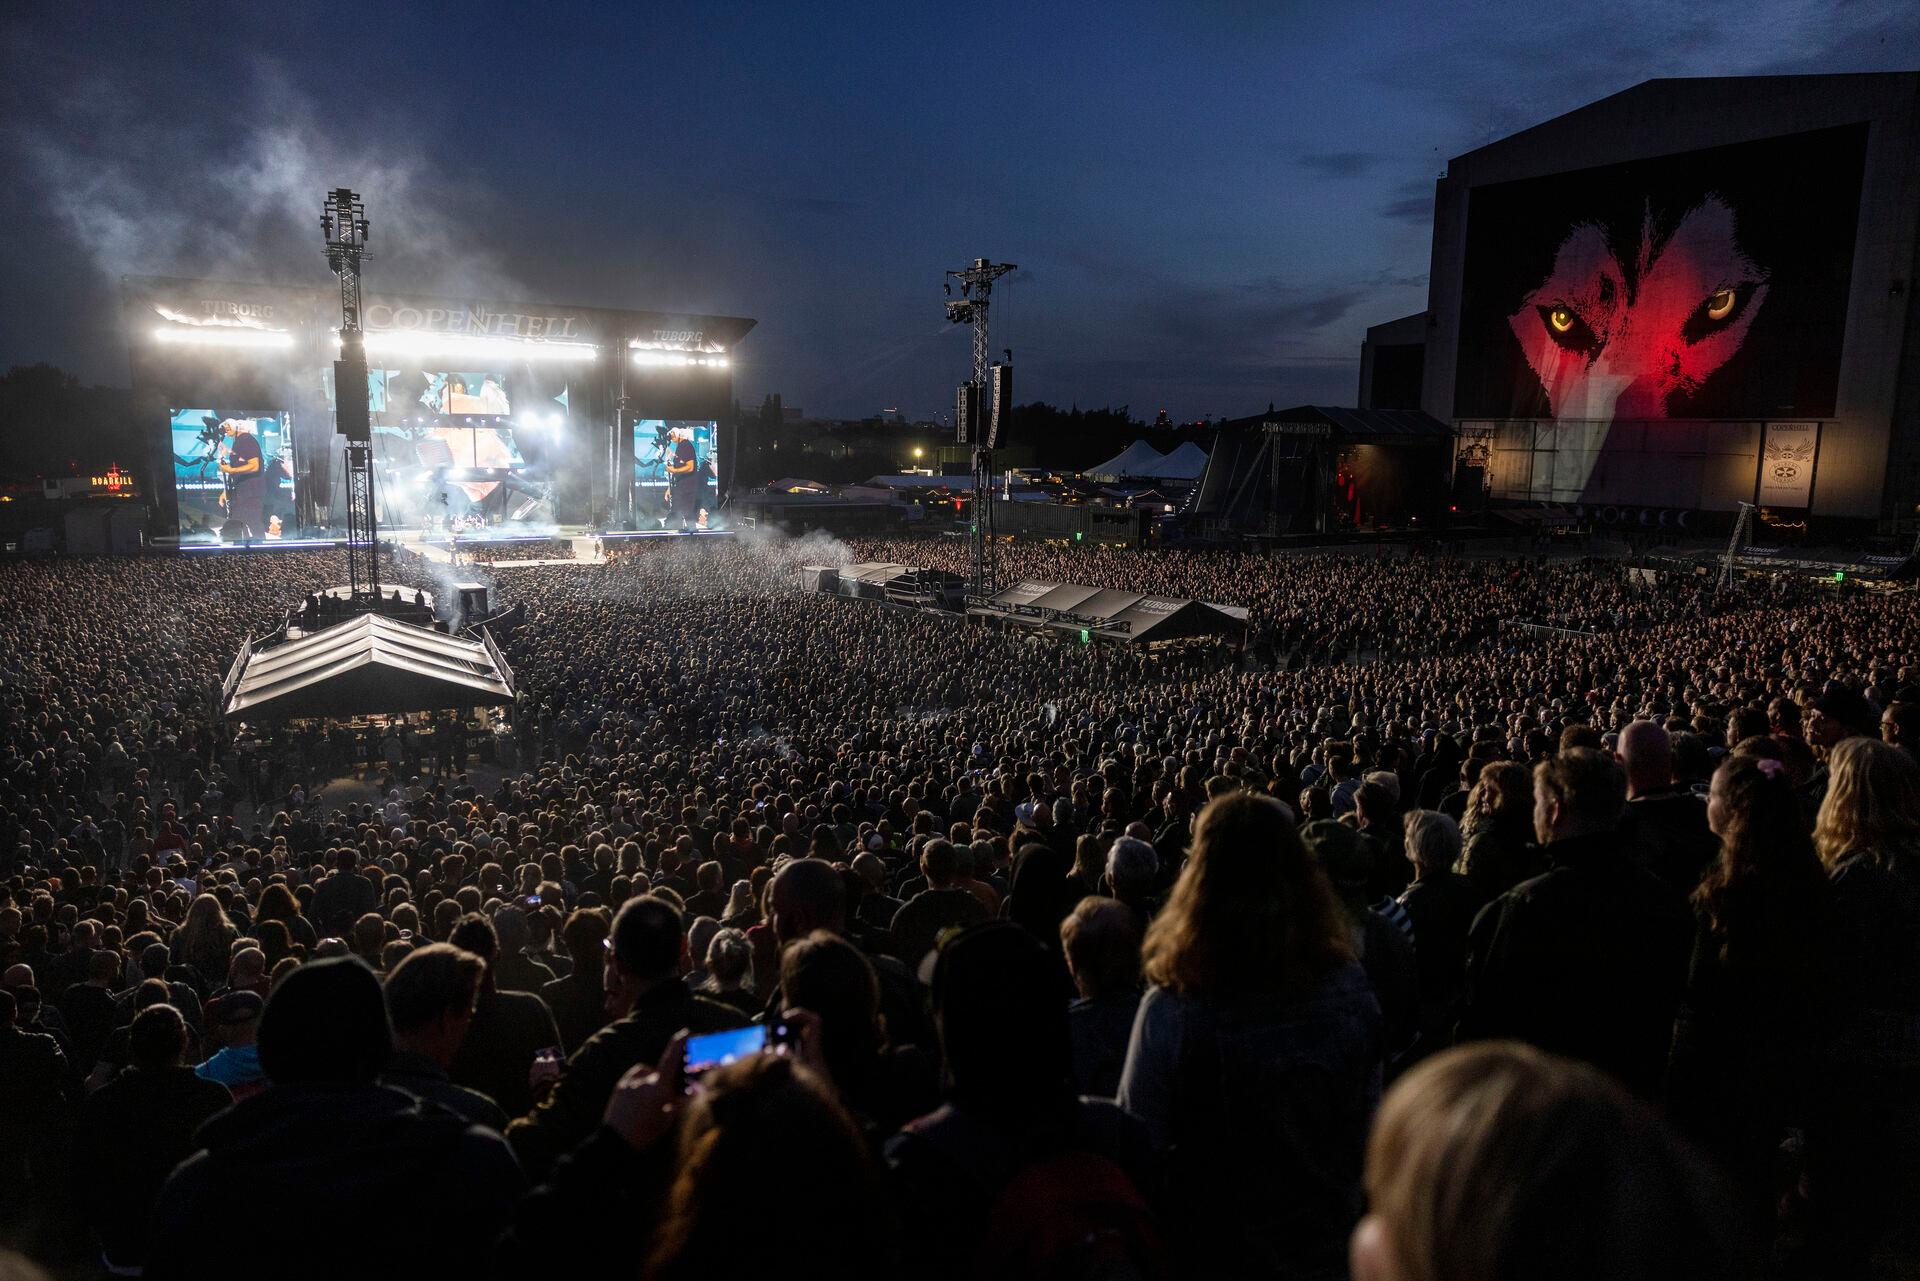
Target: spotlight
{"type": "Point", "coordinates": [223, 337]}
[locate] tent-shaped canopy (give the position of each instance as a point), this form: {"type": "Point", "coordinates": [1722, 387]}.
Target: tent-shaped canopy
{"type": "Point", "coordinates": [1184, 463]}
{"type": "Point", "coordinates": [876, 573]}
{"type": "Point", "coordinates": [366, 665]}
{"type": "Point", "coordinates": [1135, 460]}
{"type": "Point", "coordinates": [1111, 614]}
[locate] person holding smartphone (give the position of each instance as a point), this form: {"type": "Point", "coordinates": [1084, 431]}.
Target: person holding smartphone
{"type": "Point", "coordinates": [645, 957]}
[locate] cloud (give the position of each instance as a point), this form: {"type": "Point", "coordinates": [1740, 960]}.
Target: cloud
{"type": "Point", "coordinates": [1412, 202]}
{"type": "Point", "coordinates": [1338, 164]}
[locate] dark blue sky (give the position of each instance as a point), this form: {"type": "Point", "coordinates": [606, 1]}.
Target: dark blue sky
{"type": "Point", "coordinates": [1209, 201]}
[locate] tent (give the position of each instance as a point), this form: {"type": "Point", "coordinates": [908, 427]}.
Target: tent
{"type": "Point", "coordinates": [1109, 613]}
{"type": "Point", "coordinates": [1184, 463]}
{"type": "Point", "coordinates": [1137, 459]}
{"type": "Point", "coordinates": [368, 664]}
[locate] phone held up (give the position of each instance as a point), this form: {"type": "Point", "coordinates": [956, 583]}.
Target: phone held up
{"type": "Point", "coordinates": [717, 1049]}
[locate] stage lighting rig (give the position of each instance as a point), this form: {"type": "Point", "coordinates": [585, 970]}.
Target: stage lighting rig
{"type": "Point", "coordinates": [970, 308]}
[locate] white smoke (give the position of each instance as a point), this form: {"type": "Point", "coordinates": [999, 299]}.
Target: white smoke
{"type": "Point", "coordinates": [112, 173]}
{"type": "Point", "coordinates": [782, 555]}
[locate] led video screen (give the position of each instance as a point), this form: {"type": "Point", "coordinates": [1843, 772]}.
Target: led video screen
{"type": "Point", "coordinates": [232, 474]}
{"type": "Point", "coordinates": [1710, 284]}
{"type": "Point", "coordinates": [674, 467]}
{"type": "Point", "coordinates": [458, 449]}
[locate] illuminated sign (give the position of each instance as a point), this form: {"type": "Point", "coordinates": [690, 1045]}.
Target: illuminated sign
{"type": "Point", "coordinates": [472, 319]}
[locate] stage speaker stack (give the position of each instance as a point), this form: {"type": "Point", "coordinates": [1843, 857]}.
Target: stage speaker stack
{"type": "Point", "coordinates": [966, 412]}
{"type": "Point", "coordinates": [351, 415]}
{"type": "Point", "coordinates": [1000, 407]}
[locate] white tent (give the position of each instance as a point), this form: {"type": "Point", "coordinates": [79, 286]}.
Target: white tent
{"type": "Point", "coordinates": [1138, 459]}
{"type": "Point", "coordinates": [1184, 463]}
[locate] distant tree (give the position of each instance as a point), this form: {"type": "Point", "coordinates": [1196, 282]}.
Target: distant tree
{"type": "Point", "coordinates": [50, 425]}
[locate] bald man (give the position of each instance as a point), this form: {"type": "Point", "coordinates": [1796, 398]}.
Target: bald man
{"type": "Point", "coordinates": [1665, 826]}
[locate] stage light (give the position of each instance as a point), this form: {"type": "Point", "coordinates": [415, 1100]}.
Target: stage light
{"type": "Point", "coordinates": [219, 336]}
{"type": "Point", "coordinates": [411, 343]}
{"type": "Point", "coordinates": [555, 420]}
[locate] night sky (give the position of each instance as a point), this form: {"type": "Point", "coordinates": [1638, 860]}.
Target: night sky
{"type": "Point", "coordinates": [1209, 202]}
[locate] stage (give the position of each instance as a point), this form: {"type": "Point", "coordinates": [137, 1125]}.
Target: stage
{"type": "Point", "coordinates": [586, 543]}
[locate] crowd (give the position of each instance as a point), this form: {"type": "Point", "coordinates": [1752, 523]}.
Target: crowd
{"type": "Point", "coordinates": [1429, 948]}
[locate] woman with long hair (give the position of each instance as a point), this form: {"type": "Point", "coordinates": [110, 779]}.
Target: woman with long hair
{"type": "Point", "coordinates": [1863, 1147]}
{"type": "Point", "coordinates": [277, 903]}
{"type": "Point", "coordinates": [1497, 829]}
{"type": "Point", "coordinates": [1739, 1053]}
{"type": "Point", "coordinates": [1256, 1054]}
{"type": "Point", "coordinates": [768, 1123]}
{"type": "Point", "coordinates": [205, 941]}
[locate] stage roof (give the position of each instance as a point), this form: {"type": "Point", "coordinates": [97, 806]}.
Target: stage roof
{"type": "Point", "coordinates": [366, 665]}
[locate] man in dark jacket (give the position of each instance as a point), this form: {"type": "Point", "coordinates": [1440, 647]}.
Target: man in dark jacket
{"type": "Point", "coordinates": [579, 1001]}
{"type": "Point", "coordinates": [513, 970]}
{"type": "Point", "coordinates": [430, 998]}
{"type": "Point", "coordinates": [508, 1032]}
{"type": "Point", "coordinates": [442, 1187]}
{"type": "Point", "coordinates": [646, 956]}
{"type": "Point", "coordinates": [1665, 827]}
{"type": "Point", "coordinates": [1589, 959]}
{"type": "Point", "coordinates": [34, 1085]}
{"type": "Point", "coordinates": [941, 906]}
{"type": "Point", "coordinates": [344, 897]}
{"type": "Point", "coordinates": [136, 1128]}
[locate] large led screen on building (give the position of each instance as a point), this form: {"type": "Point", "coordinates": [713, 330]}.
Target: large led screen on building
{"type": "Point", "coordinates": [1710, 284]}
{"type": "Point", "coordinates": [232, 474]}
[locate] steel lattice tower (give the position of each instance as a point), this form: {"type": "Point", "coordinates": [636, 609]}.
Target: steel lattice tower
{"type": "Point", "coordinates": [976, 286]}
{"type": "Point", "coordinates": [343, 220]}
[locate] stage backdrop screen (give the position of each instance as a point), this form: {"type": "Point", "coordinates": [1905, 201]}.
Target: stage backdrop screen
{"type": "Point", "coordinates": [232, 506]}
{"type": "Point", "coordinates": [655, 440]}
{"type": "Point", "coordinates": [1710, 284]}
{"type": "Point", "coordinates": [457, 449]}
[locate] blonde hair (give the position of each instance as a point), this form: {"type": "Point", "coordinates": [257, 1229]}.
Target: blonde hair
{"type": "Point", "coordinates": [1499, 1162]}
{"type": "Point", "coordinates": [1872, 806]}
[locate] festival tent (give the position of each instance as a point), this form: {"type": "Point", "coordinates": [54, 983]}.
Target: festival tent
{"type": "Point", "coordinates": [1184, 463]}
{"type": "Point", "coordinates": [1108, 613]}
{"type": "Point", "coordinates": [1136, 459]}
{"type": "Point", "coordinates": [366, 665]}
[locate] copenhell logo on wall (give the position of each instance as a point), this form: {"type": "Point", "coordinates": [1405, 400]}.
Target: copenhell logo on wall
{"type": "Point", "coordinates": [471, 320]}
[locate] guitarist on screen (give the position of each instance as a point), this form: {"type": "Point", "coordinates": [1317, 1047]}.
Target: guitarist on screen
{"type": "Point", "coordinates": [683, 469]}
{"type": "Point", "coordinates": [244, 471]}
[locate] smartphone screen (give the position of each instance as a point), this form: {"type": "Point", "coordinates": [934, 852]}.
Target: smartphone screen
{"type": "Point", "coordinates": [719, 1048]}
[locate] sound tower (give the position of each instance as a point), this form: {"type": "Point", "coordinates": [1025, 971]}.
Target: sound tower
{"type": "Point", "coordinates": [966, 413]}
{"type": "Point", "coordinates": [1000, 403]}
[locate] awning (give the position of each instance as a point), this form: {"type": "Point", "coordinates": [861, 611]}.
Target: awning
{"type": "Point", "coordinates": [366, 665]}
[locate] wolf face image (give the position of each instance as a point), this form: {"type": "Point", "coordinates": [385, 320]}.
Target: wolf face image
{"type": "Point", "coordinates": [1629, 331]}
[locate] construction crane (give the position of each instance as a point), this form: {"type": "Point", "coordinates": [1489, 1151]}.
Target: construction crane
{"type": "Point", "coordinates": [343, 221]}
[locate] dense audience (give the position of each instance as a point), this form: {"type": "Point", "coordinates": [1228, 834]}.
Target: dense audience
{"type": "Point", "coordinates": [1398, 942]}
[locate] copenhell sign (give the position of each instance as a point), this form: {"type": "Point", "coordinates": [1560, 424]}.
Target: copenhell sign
{"type": "Point", "coordinates": [471, 319]}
